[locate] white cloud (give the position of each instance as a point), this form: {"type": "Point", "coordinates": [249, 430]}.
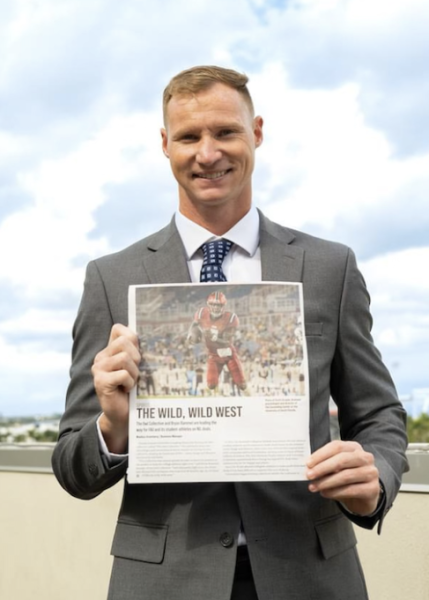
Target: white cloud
{"type": "Point", "coordinates": [43, 238]}
{"type": "Point", "coordinates": [33, 379]}
{"type": "Point", "coordinates": [341, 85]}
{"type": "Point", "coordinates": [38, 321]}
{"type": "Point", "coordinates": [400, 297]}
{"type": "Point", "coordinates": [318, 148]}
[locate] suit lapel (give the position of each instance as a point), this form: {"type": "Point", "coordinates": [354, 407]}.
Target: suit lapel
{"type": "Point", "coordinates": [166, 261]}
{"type": "Point", "coordinates": [280, 260]}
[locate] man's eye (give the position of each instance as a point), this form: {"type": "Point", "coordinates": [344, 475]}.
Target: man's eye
{"type": "Point", "coordinates": [225, 132]}
{"type": "Point", "coordinates": [188, 137]}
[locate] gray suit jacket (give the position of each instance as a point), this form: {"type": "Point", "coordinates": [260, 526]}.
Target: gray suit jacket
{"type": "Point", "coordinates": [178, 541]}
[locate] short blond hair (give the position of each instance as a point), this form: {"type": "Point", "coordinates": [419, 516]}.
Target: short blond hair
{"type": "Point", "coordinates": [197, 79]}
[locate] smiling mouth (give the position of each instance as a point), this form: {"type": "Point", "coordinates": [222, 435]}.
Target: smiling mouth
{"type": "Point", "coordinates": [215, 175]}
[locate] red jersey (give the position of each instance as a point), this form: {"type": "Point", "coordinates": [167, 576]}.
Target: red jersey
{"type": "Point", "coordinates": [217, 332]}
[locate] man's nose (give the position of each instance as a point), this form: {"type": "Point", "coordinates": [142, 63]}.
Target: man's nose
{"type": "Point", "coordinates": [208, 151]}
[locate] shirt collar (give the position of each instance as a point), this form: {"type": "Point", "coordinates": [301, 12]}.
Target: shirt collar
{"type": "Point", "coordinates": [245, 233]}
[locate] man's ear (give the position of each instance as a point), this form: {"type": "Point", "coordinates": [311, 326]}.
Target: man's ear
{"type": "Point", "coordinates": [258, 123]}
{"type": "Point", "coordinates": [164, 137]}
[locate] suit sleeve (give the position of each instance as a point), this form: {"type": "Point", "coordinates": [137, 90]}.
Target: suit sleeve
{"type": "Point", "coordinates": [78, 463]}
{"type": "Point", "coordinates": [368, 407]}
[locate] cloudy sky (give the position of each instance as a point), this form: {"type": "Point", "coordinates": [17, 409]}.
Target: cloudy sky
{"type": "Point", "coordinates": [343, 86]}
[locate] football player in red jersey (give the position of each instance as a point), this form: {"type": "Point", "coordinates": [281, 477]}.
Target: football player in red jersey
{"type": "Point", "coordinates": [217, 327]}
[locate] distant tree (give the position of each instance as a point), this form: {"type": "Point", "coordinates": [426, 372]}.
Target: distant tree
{"type": "Point", "coordinates": [418, 429]}
{"type": "Point", "coordinates": [49, 435]}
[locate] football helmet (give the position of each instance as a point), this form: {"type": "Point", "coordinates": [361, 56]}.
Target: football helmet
{"type": "Point", "coordinates": [216, 303]}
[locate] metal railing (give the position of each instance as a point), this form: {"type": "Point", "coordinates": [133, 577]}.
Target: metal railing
{"type": "Point", "coordinates": [26, 458]}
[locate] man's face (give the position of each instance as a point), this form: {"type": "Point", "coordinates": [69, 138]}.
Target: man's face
{"type": "Point", "coordinates": [210, 139]}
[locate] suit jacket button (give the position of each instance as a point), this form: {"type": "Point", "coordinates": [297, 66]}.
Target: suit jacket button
{"type": "Point", "coordinates": [226, 540]}
{"type": "Point", "coordinates": [93, 469]}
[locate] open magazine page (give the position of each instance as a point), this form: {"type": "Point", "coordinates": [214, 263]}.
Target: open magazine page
{"type": "Point", "coordinates": [223, 391]}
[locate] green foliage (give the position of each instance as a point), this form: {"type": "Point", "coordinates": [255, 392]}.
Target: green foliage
{"type": "Point", "coordinates": [46, 436]}
{"type": "Point", "coordinates": [9, 427]}
{"type": "Point", "coordinates": [418, 429]}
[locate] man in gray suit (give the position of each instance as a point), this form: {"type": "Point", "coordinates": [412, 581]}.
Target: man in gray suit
{"type": "Point", "coordinates": [271, 540]}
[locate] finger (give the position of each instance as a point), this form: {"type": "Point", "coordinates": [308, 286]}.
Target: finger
{"type": "Point", "coordinates": [331, 449]}
{"type": "Point", "coordinates": [108, 382]}
{"type": "Point", "coordinates": [117, 370]}
{"type": "Point", "coordinates": [361, 498]}
{"type": "Point", "coordinates": [367, 475]}
{"type": "Point", "coordinates": [122, 338]}
{"type": "Point", "coordinates": [341, 462]}
{"type": "Point", "coordinates": [121, 344]}
{"type": "Point", "coordinates": [106, 360]}
{"type": "Point", "coordinates": [118, 330]}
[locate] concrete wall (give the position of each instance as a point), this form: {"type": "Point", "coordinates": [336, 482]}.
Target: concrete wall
{"type": "Point", "coordinates": [396, 563]}
{"type": "Point", "coordinates": [54, 547]}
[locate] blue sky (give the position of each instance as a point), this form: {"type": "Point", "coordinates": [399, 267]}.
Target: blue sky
{"type": "Point", "coordinates": [343, 87]}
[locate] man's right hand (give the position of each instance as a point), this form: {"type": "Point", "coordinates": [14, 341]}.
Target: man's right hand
{"type": "Point", "coordinates": [115, 372]}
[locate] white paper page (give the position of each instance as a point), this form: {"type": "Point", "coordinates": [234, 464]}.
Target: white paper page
{"type": "Point", "coordinates": [223, 392]}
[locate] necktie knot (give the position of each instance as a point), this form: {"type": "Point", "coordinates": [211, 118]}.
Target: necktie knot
{"type": "Point", "coordinates": [214, 253]}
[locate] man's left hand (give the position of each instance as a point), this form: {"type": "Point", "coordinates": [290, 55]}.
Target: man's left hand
{"type": "Point", "coordinates": [345, 472]}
